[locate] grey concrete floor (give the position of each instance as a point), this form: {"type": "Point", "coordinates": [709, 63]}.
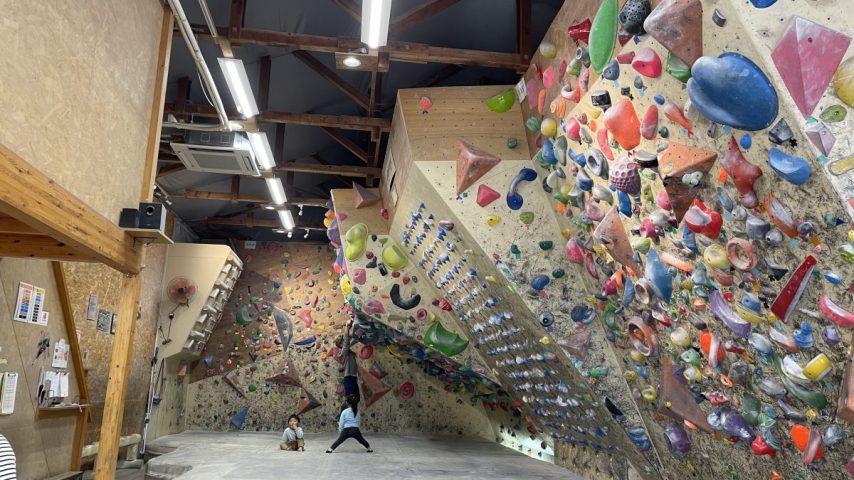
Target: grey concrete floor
{"type": "Point", "coordinates": [256, 456]}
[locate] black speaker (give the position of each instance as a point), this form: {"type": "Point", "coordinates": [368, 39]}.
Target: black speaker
{"type": "Point", "coordinates": [129, 218]}
{"type": "Point", "coordinates": [152, 215]}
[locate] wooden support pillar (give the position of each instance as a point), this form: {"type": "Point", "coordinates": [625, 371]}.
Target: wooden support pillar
{"type": "Point", "coordinates": [523, 28]}
{"type": "Point", "coordinates": [264, 83]}
{"type": "Point", "coordinates": [114, 403]}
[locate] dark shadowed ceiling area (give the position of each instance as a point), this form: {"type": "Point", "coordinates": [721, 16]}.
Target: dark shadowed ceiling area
{"type": "Point", "coordinates": [295, 86]}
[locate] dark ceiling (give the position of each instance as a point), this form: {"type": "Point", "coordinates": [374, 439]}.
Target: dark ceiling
{"type": "Point", "coordinates": [488, 25]}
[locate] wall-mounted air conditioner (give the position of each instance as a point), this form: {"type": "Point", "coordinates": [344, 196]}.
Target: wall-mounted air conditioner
{"type": "Point", "coordinates": [217, 152]}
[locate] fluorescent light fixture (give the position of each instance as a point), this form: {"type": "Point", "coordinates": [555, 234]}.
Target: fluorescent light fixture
{"type": "Point", "coordinates": [307, 231]}
{"type": "Point", "coordinates": [280, 230]}
{"type": "Point", "coordinates": [238, 85]}
{"type": "Point", "coordinates": [375, 19]}
{"type": "Point", "coordinates": [287, 219]}
{"type": "Point", "coordinates": [277, 190]}
{"type": "Point", "coordinates": [352, 61]}
{"type": "Point", "coordinates": [261, 149]}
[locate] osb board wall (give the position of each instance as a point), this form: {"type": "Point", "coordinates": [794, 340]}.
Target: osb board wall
{"type": "Point", "coordinates": [96, 347]}
{"type": "Point", "coordinates": [816, 201]}
{"type": "Point", "coordinates": [90, 69]}
{"type": "Point", "coordinates": [458, 112]}
{"type": "Point", "coordinates": [169, 414]}
{"type": "Point", "coordinates": [43, 447]}
{"type": "Point", "coordinates": [299, 279]}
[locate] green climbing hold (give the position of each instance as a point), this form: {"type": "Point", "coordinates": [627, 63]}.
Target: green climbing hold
{"type": "Point", "coordinates": [603, 35]}
{"type": "Point", "coordinates": [533, 124]}
{"type": "Point", "coordinates": [558, 273]}
{"type": "Point", "coordinates": [394, 257]}
{"type": "Point", "coordinates": [252, 388]}
{"type": "Point", "coordinates": [546, 244]}
{"type": "Point", "coordinates": [356, 240]}
{"type": "Point", "coordinates": [598, 372]}
{"type": "Point", "coordinates": [574, 67]}
{"type": "Point", "coordinates": [750, 406]}
{"type": "Point", "coordinates": [446, 342]}
{"type": "Point", "coordinates": [512, 143]}
{"type": "Point", "coordinates": [691, 357]}
{"type": "Point", "coordinates": [663, 132]}
{"type": "Point", "coordinates": [677, 68]}
{"type": "Point", "coordinates": [527, 218]}
{"type": "Point", "coordinates": [503, 101]}
{"type": "Point", "coordinates": [561, 198]}
{"type": "Point", "coordinates": [846, 251]}
{"type": "Point", "coordinates": [514, 249]}
{"type": "Point", "coordinates": [541, 160]}
{"type": "Point", "coordinates": [833, 114]}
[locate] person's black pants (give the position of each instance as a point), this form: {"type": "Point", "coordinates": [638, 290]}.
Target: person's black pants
{"type": "Point", "coordinates": [350, 432]}
{"type": "Point", "coordinates": [351, 387]}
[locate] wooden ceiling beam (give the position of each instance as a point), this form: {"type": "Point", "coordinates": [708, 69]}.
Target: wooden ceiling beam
{"type": "Point", "coordinates": [248, 221]}
{"type": "Point", "coordinates": [246, 198]}
{"type": "Point", "coordinates": [331, 76]}
{"type": "Point", "coordinates": [408, 52]}
{"type": "Point", "coordinates": [166, 171]}
{"type": "Point", "coordinates": [31, 197]}
{"type": "Point", "coordinates": [418, 14]}
{"type": "Point", "coordinates": [342, 170]}
{"type": "Point", "coordinates": [38, 246]}
{"type": "Point", "coordinates": [344, 122]}
{"type": "Point", "coordinates": [235, 19]}
{"type": "Point", "coordinates": [350, 145]}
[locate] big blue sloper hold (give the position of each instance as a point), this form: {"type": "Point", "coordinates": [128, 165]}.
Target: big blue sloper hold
{"type": "Point", "coordinates": [794, 169]}
{"type": "Point", "coordinates": [731, 90]}
{"type": "Point", "coordinates": [763, 3]}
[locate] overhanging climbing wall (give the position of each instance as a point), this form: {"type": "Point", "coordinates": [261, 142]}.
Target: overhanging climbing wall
{"type": "Point", "coordinates": [700, 172]}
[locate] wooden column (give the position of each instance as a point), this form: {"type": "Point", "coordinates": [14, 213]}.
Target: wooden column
{"type": "Point", "coordinates": [114, 403]}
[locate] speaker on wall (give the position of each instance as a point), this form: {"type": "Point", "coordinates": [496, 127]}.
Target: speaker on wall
{"type": "Point", "coordinates": [152, 215]}
{"type": "Point", "coordinates": [129, 218]}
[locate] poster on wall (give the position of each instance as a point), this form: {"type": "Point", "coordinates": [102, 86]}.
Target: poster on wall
{"type": "Point", "coordinates": [28, 308]}
{"type": "Point", "coordinates": [113, 324]}
{"type": "Point", "coordinates": [92, 310]}
{"type": "Point", "coordinates": [43, 318]}
{"type": "Point", "coordinates": [105, 318]}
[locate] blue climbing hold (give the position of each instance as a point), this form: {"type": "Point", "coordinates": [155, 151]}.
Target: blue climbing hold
{"type": "Point", "coordinates": [539, 282]}
{"type": "Point", "coordinates": [549, 151]}
{"type": "Point", "coordinates": [240, 418]}
{"type": "Point", "coordinates": [658, 276]}
{"type": "Point", "coordinates": [732, 90]}
{"type": "Point", "coordinates": [514, 200]}
{"type": "Point", "coordinates": [578, 158]}
{"type": "Point", "coordinates": [659, 99]}
{"type": "Point", "coordinates": [794, 169]}
{"type": "Point", "coordinates": [763, 3]}
{"type": "Point", "coordinates": [746, 142]}
{"type": "Point", "coordinates": [625, 203]}
{"type": "Point", "coordinates": [628, 293]}
{"type": "Point", "coordinates": [688, 240]}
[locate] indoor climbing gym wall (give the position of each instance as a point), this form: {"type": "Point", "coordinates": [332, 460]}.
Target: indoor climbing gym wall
{"type": "Point", "coordinates": [273, 353]}
{"type": "Point", "coordinates": [697, 158]}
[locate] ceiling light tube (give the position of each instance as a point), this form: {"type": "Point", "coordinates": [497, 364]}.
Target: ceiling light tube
{"type": "Point", "coordinates": [277, 190]}
{"type": "Point", "coordinates": [287, 219]}
{"type": "Point", "coordinates": [375, 20]}
{"type": "Point", "coordinates": [261, 149]}
{"type": "Point", "coordinates": [238, 85]}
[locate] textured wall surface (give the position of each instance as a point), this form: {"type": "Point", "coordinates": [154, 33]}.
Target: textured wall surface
{"type": "Point", "coordinates": [42, 447]}
{"type": "Point", "coordinates": [96, 347]}
{"type": "Point", "coordinates": [78, 79]}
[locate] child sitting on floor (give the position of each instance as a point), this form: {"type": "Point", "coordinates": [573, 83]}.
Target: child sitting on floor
{"type": "Point", "coordinates": [293, 437]}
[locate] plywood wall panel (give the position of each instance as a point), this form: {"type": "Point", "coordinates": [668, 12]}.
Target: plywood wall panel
{"type": "Point", "coordinates": [77, 83]}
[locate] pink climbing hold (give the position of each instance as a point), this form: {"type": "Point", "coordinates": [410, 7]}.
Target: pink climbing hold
{"type": "Point", "coordinates": [374, 307]}
{"type": "Point", "coordinates": [574, 252]}
{"type": "Point", "coordinates": [486, 195]}
{"type": "Point", "coordinates": [305, 315]}
{"type": "Point", "coordinates": [807, 56]}
{"type": "Point", "coordinates": [548, 77]}
{"type": "Point", "coordinates": [647, 63]}
{"type": "Point", "coordinates": [649, 125]}
{"type": "Point", "coordinates": [662, 199]}
{"type": "Point", "coordinates": [625, 58]}
{"type": "Point", "coordinates": [675, 114]}
{"type": "Point", "coordinates": [602, 139]}
{"type": "Point", "coordinates": [573, 129]}
{"type": "Point", "coordinates": [359, 276]}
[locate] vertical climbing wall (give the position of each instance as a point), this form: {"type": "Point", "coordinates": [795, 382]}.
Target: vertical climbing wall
{"type": "Point", "coordinates": [700, 174]}
{"type": "Point", "coordinates": [273, 354]}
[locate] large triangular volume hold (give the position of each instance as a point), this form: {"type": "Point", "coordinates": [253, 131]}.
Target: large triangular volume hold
{"type": "Point", "coordinates": [677, 161]}
{"type": "Point", "coordinates": [612, 234]}
{"type": "Point", "coordinates": [676, 401]}
{"type": "Point", "coordinates": [472, 163]}
{"type": "Point", "coordinates": [239, 419]}
{"type": "Point", "coordinates": [678, 25]}
{"type": "Point", "coordinates": [232, 381]}
{"type": "Point", "coordinates": [286, 374]}
{"type": "Point", "coordinates": [307, 402]}
{"type": "Point", "coordinates": [372, 387]}
{"type": "Point", "coordinates": [807, 56]}
{"type": "Point", "coordinates": [363, 196]}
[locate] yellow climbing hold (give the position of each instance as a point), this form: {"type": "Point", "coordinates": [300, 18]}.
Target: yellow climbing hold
{"type": "Point", "coordinates": [493, 220]}
{"type": "Point", "coordinates": [545, 340]}
{"type": "Point", "coordinates": [637, 356]}
{"type": "Point", "coordinates": [346, 288]}
{"type": "Point", "coordinates": [843, 82]}
{"type": "Point", "coordinates": [394, 257]}
{"type": "Point", "coordinates": [548, 127]}
{"type": "Point", "coordinates": [356, 240]}
{"type": "Point", "coordinates": [566, 233]}
{"type": "Point", "coordinates": [490, 279]}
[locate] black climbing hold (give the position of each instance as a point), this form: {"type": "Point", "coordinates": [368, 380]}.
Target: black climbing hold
{"type": "Point", "coordinates": [645, 159]}
{"type": "Point", "coordinates": [781, 133]}
{"type": "Point", "coordinates": [719, 18]}
{"type": "Point", "coordinates": [633, 14]}
{"type": "Point", "coordinates": [600, 98]}
{"type": "Point", "coordinates": [407, 304]}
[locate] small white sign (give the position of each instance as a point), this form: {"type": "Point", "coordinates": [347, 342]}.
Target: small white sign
{"type": "Point", "coordinates": [92, 311]}
{"type": "Point", "coordinates": [60, 354]}
{"type": "Point", "coordinates": [521, 90]}
{"type": "Point", "coordinates": [249, 244]}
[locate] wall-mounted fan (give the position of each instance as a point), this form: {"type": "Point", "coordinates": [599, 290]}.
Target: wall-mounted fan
{"type": "Point", "coordinates": [181, 290]}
